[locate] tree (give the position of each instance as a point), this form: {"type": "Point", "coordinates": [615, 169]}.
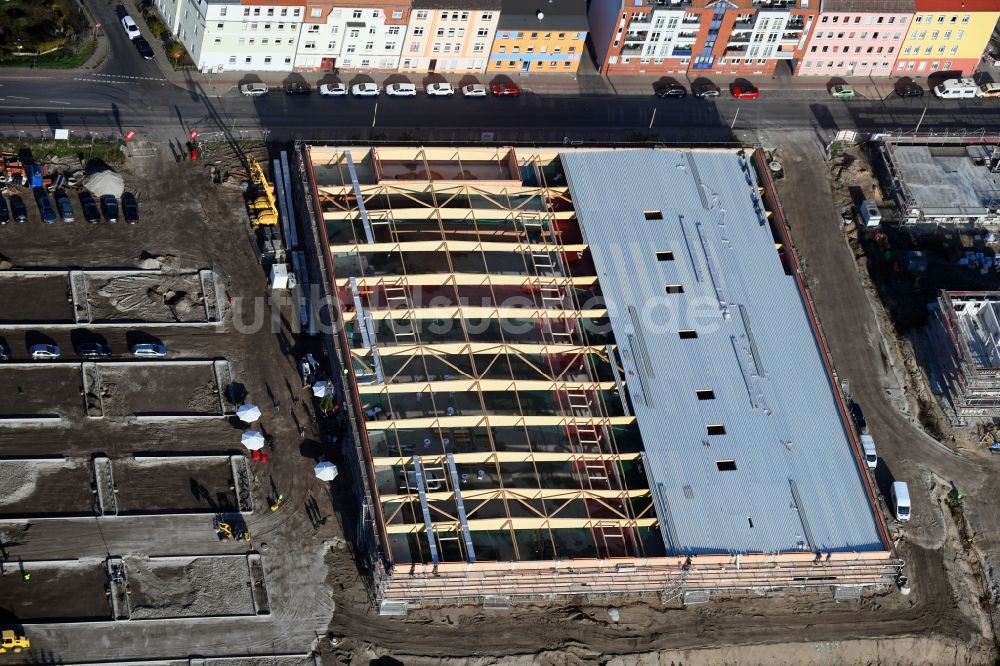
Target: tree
{"type": "Point", "coordinates": [175, 51]}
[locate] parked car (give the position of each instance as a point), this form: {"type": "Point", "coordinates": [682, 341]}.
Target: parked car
{"type": "Point", "coordinates": [4, 353]}
{"type": "Point", "coordinates": [90, 211]}
{"type": "Point", "coordinates": [109, 205]}
{"type": "Point", "coordinates": [4, 211]}
{"type": "Point", "coordinates": [130, 208]}
{"type": "Point", "coordinates": [842, 92]}
{"type": "Point", "coordinates": [17, 208]}
{"type": "Point", "coordinates": [474, 90]}
{"type": "Point", "coordinates": [401, 90]}
{"type": "Point", "coordinates": [148, 350]}
{"type": "Point", "coordinates": [45, 207]}
{"type": "Point", "coordinates": [143, 47]}
{"type": "Point", "coordinates": [333, 89]}
{"type": "Point", "coordinates": [44, 352]}
{"type": "Point", "coordinates": [131, 29]}
{"type": "Point", "coordinates": [673, 90]}
{"type": "Point", "coordinates": [92, 350]}
{"type": "Point", "coordinates": [910, 90]}
{"type": "Point", "coordinates": [253, 89]}
{"type": "Point", "coordinates": [745, 92]}
{"type": "Point", "coordinates": [364, 90]}
{"type": "Point", "coordinates": [440, 89]}
{"type": "Point", "coordinates": [706, 90]}
{"type": "Point", "coordinates": [297, 88]}
{"type": "Point", "coordinates": [65, 206]}
{"type": "Point", "coordinates": [506, 90]}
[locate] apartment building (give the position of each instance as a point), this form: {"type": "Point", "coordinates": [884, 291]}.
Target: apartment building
{"type": "Point", "coordinates": [539, 37]}
{"type": "Point", "coordinates": [947, 36]}
{"type": "Point", "coordinates": [857, 38]}
{"type": "Point", "coordinates": [234, 35]}
{"type": "Point", "coordinates": [747, 37]}
{"type": "Point", "coordinates": [450, 35]}
{"type": "Point", "coordinates": [365, 35]}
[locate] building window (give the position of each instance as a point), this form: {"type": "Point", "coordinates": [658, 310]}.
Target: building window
{"type": "Point", "coordinates": [393, 30]}
{"type": "Point", "coordinates": [248, 60]}
{"type": "Point", "coordinates": [242, 41]}
{"type": "Point", "coordinates": [218, 40]}
{"type": "Point", "coordinates": [482, 32]}
{"type": "Point", "coordinates": [421, 15]}
{"type": "Point", "coordinates": [219, 26]}
{"type": "Point", "coordinates": [478, 47]}
{"type": "Point", "coordinates": [246, 12]}
{"type": "Point", "coordinates": [369, 46]}
{"type": "Point", "coordinates": [222, 12]}
{"type": "Point", "coordinates": [436, 48]}
{"type": "Point", "coordinates": [356, 14]}
{"type": "Point", "coordinates": [288, 61]}
{"type": "Point", "coordinates": [397, 14]}
{"type": "Point", "coordinates": [256, 11]}
{"type": "Point", "coordinates": [351, 48]}
{"type": "Point", "coordinates": [487, 16]}
{"type": "Point", "coordinates": [267, 60]}
{"type": "Point", "coordinates": [414, 47]}
{"type": "Point", "coordinates": [365, 62]}
{"type": "Point", "coordinates": [232, 60]}
{"type": "Point", "coordinates": [253, 26]}
{"type": "Point", "coordinates": [310, 45]}
{"type": "Point", "coordinates": [264, 42]}
{"type": "Point", "coordinates": [417, 32]}
{"type": "Point", "coordinates": [355, 33]}
{"type": "Point", "coordinates": [440, 32]}
{"type": "Point", "coordinates": [270, 11]}
{"type": "Point", "coordinates": [284, 11]}
{"type": "Point", "coordinates": [296, 12]}
{"type": "Point", "coordinates": [390, 46]}
{"type": "Point", "coordinates": [965, 19]}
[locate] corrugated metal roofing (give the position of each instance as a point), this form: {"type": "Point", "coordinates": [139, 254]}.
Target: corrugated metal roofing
{"type": "Point", "coordinates": [796, 484]}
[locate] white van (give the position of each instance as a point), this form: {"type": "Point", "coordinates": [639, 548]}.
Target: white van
{"type": "Point", "coordinates": [868, 446]}
{"type": "Point", "coordinates": [957, 89]}
{"type": "Point", "coordinates": [901, 500]}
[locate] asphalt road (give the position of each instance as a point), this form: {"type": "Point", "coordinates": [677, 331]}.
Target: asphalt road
{"type": "Point", "coordinates": [123, 98]}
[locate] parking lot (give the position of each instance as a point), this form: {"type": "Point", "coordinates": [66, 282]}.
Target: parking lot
{"type": "Point", "coordinates": [146, 454]}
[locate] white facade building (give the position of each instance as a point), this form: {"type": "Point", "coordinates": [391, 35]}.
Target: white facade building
{"type": "Point", "coordinates": [352, 37]}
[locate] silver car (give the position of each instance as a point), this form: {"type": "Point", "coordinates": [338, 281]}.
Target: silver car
{"type": "Point", "coordinates": [440, 89]}
{"type": "Point", "coordinates": [253, 89]}
{"type": "Point", "coordinates": [148, 350]}
{"type": "Point", "coordinates": [474, 90]}
{"type": "Point", "coordinates": [401, 90]}
{"type": "Point", "coordinates": [44, 352]}
{"type": "Point", "coordinates": [333, 90]}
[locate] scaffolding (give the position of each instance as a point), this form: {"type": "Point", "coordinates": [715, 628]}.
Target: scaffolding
{"type": "Point", "coordinates": [965, 333]}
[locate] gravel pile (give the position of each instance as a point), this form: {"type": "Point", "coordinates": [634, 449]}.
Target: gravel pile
{"type": "Point", "coordinates": [202, 586]}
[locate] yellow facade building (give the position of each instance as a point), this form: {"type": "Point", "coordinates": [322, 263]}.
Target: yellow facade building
{"type": "Point", "coordinates": [947, 37]}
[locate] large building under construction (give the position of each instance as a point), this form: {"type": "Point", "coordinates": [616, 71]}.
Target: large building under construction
{"type": "Point", "coordinates": [584, 371]}
{"type": "Point", "coordinates": [964, 329]}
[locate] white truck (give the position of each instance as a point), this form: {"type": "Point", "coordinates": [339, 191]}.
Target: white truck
{"type": "Point", "coordinates": [868, 448]}
{"type": "Point", "coordinates": [957, 89]}
{"type": "Point", "coordinates": [901, 500]}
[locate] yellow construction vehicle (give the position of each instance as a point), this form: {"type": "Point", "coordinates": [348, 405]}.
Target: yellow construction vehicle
{"type": "Point", "coordinates": [264, 208]}
{"type": "Point", "coordinates": [11, 641]}
{"type": "Point", "coordinates": [230, 532]}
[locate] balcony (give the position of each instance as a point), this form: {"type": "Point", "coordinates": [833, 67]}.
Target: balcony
{"type": "Point", "coordinates": [791, 37]}
{"type": "Point", "coordinates": [672, 4]}
{"type": "Point", "coordinates": [640, 24]}
{"type": "Point", "coordinates": [632, 51]}
{"type": "Point", "coordinates": [680, 52]}
{"type": "Point", "coordinates": [736, 50]}
{"type": "Point", "coordinates": [687, 35]}
{"type": "Point", "coordinates": [691, 20]}
{"type": "Point", "coordinates": [740, 38]}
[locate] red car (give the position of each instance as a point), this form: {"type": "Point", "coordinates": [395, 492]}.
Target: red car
{"type": "Point", "coordinates": [506, 90]}
{"type": "Point", "coordinates": [745, 92]}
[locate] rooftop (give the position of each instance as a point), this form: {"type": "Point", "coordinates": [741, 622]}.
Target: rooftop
{"type": "Point", "coordinates": [523, 398]}
{"type": "Point", "coordinates": [869, 6]}
{"type": "Point", "coordinates": [978, 317]}
{"type": "Point", "coordinates": [952, 181]}
{"type": "Point", "coordinates": [556, 15]}
{"type": "Point", "coordinates": [467, 5]}
{"type": "Point", "coordinates": [744, 444]}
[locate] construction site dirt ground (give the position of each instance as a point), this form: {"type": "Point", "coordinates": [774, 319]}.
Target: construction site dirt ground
{"type": "Point", "coordinates": [147, 486]}
{"type": "Point", "coordinates": [39, 391]}
{"type": "Point", "coordinates": [40, 487]}
{"type": "Point", "coordinates": [163, 388]}
{"type": "Point", "coordinates": [187, 224]}
{"type": "Point", "coordinates": [44, 596]}
{"type": "Point", "coordinates": [35, 299]}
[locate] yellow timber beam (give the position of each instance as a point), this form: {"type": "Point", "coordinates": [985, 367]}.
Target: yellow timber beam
{"type": "Point", "coordinates": [498, 524]}
{"type": "Point", "coordinates": [449, 348]}
{"type": "Point", "coordinates": [498, 420]}
{"type": "Point", "coordinates": [403, 216]}
{"type": "Point", "coordinates": [501, 457]}
{"type": "Point", "coordinates": [479, 312]}
{"type": "Point", "coordinates": [454, 246]}
{"type": "Point", "coordinates": [469, 494]}
{"type": "Point", "coordinates": [469, 280]}
{"type": "Point", "coordinates": [469, 385]}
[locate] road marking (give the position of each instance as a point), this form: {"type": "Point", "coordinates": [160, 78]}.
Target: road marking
{"type": "Point", "coordinates": [42, 107]}
{"type": "Point", "coordinates": [52, 101]}
{"type": "Point", "coordinates": [131, 83]}
{"type": "Point", "coordinates": [125, 76]}
{"type": "Point", "coordinates": [17, 97]}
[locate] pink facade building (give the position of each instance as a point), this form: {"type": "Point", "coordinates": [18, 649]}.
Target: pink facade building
{"type": "Point", "coordinates": [856, 38]}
